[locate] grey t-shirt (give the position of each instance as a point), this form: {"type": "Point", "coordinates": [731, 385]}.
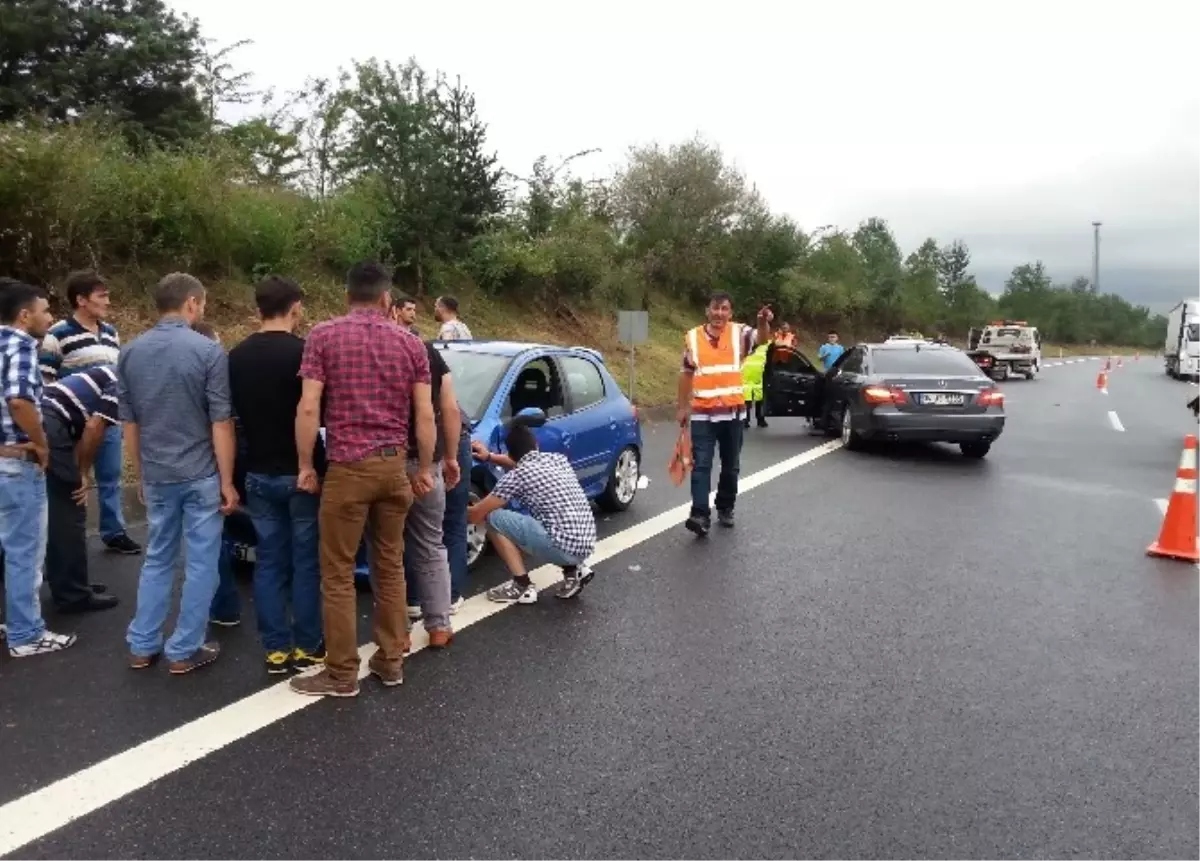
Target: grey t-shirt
{"type": "Point", "coordinates": [174, 384]}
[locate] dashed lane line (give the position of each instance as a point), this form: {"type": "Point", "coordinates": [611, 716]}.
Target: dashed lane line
{"type": "Point", "coordinates": [1115, 421]}
{"type": "Point", "coordinates": [45, 810]}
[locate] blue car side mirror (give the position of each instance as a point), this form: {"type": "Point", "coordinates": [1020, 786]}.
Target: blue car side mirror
{"type": "Point", "coordinates": [530, 417]}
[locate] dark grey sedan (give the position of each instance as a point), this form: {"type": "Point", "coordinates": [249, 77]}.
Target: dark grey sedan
{"type": "Point", "coordinates": [900, 391]}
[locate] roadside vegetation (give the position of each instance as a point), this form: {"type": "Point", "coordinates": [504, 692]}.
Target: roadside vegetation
{"type": "Point", "coordinates": [114, 155]}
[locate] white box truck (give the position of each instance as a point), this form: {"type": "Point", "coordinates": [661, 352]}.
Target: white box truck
{"type": "Point", "coordinates": [1182, 350]}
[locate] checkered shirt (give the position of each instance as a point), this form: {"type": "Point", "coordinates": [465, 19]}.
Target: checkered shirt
{"type": "Point", "coordinates": [21, 378]}
{"type": "Point", "coordinates": [545, 484]}
{"type": "Point", "coordinates": [368, 366]}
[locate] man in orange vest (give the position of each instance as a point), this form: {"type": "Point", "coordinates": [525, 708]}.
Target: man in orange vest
{"type": "Point", "coordinates": [711, 398]}
{"type": "Point", "coordinates": [785, 337]}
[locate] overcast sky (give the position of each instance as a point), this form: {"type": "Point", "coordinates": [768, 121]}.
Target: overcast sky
{"type": "Point", "coordinates": [1011, 125]}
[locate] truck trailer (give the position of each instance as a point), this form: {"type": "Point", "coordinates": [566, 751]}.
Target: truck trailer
{"type": "Point", "coordinates": [1181, 353]}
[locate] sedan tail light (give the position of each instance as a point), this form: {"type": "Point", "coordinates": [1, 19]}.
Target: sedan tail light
{"type": "Point", "coordinates": [884, 395]}
{"type": "Point", "coordinates": [990, 398]}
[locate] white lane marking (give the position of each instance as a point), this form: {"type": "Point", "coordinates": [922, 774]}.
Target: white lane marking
{"type": "Point", "coordinates": [643, 482]}
{"type": "Point", "coordinates": [1162, 506]}
{"type": "Point", "coordinates": [45, 810]}
{"type": "Point", "coordinates": [1115, 421]}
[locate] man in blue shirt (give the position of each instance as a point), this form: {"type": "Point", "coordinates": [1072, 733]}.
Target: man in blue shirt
{"type": "Point", "coordinates": [173, 392]}
{"type": "Point", "coordinates": [830, 351]}
{"type": "Point", "coordinates": [24, 455]}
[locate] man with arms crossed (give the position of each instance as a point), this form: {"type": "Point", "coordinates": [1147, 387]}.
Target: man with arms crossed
{"type": "Point", "coordinates": [173, 388]}
{"type": "Point", "coordinates": [371, 374]}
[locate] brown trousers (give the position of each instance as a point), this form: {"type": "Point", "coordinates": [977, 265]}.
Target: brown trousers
{"type": "Point", "coordinates": [374, 490]}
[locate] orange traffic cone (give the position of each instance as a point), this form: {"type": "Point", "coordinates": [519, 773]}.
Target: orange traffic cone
{"type": "Point", "coordinates": [1177, 540]}
{"type": "Point", "coordinates": [1102, 381]}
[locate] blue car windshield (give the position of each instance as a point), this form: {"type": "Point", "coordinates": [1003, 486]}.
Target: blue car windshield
{"type": "Point", "coordinates": [475, 376]}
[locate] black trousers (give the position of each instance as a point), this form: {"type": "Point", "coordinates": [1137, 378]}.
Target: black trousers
{"type": "Point", "coordinates": [758, 413]}
{"type": "Point", "coordinates": [66, 536]}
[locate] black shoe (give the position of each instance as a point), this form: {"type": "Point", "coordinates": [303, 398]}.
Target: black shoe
{"type": "Point", "coordinates": [123, 544]}
{"type": "Point", "coordinates": [99, 589]}
{"type": "Point", "coordinates": [746, 424]}
{"type": "Point", "coordinates": [725, 518]}
{"type": "Point", "coordinates": [699, 524]}
{"type": "Point", "coordinates": [762, 423]}
{"type": "Point", "coordinates": [91, 604]}
{"type": "Point", "coordinates": [302, 659]}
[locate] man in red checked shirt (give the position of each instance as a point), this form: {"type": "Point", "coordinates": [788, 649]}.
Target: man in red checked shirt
{"type": "Point", "coordinates": [370, 372]}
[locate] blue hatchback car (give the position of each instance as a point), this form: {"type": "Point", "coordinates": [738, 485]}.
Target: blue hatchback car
{"type": "Point", "coordinates": [571, 401]}
{"type": "Point", "coordinates": [587, 416]}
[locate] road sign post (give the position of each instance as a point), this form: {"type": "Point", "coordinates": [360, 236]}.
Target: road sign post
{"type": "Point", "coordinates": [633, 328]}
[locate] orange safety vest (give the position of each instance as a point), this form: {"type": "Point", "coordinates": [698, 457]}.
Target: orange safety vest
{"type": "Point", "coordinates": [717, 380]}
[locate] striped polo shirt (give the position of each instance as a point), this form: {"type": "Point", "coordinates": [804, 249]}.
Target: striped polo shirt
{"type": "Point", "coordinates": [69, 347]}
{"type": "Point", "coordinates": [79, 396]}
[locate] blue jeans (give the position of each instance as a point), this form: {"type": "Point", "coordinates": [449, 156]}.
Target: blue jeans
{"type": "Point", "coordinates": [23, 523]}
{"type": "Point", "coordinates": [182, 515]}
{"type": "Point", "coordinates": [709, 439]}
{"type": "Point", "coordinates": [226, 603]}
{"type": "Point", "coordinates": [286, 561]}
{"type": "Point", "coordinates": [528, 534]}
{"type": "Point", "coordinates": [108, 484]}
{"type": "Point", "coordinates": [454, 521]}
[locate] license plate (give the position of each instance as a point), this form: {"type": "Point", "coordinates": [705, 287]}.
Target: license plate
{"type": "Point", "coordinates": [942, 399]}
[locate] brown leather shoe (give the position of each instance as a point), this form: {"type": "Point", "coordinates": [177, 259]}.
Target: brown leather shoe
{"type": "Point", "coordinates": [142, 662]}
{"type": "Point", "coordinates": [440, 638]}
{"type": "Point", "coordinates": [322, 684]}
{"type": "Point", "coordinates": [203, 656]}
{"type": "Point", "coordinates": [390, 674]}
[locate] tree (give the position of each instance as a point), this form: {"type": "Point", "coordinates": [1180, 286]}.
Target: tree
{"type": "Point", "coordinates": [882, 267]}
{"type": "Point", "coordinates": [127, 60]}
{"type": "Point", "coordinates": [219, 84]}
{"type": "Point", "coordinates": [674, 207]}
{"type": "Point", "coordinates": [422, 140]}
{"type": "Point", "coordinates": [920, 300]}
{"type": "Point", "coordinates": [953, 264]}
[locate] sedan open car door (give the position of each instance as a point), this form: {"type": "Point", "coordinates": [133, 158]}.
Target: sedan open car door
{"type": "Point", "coordinates": [791, 383]}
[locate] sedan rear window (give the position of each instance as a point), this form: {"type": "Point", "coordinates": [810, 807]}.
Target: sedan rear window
{"type": "Point", "coordinates": [945, 363]}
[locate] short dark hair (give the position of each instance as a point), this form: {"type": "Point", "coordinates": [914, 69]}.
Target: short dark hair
{"type": "Point", "coordinates": [831, 332]}
{"type": "Point", "coordinates": [275, 296]}
{"type": "Point", "coordinates": [202, 328]}
{"type": "Point", "coordinates": [399, 298]}
{"type": "Point", "coordinates": [366, 282]}
{"type": "Point", "coordinates": [81, 285]}
{"type": "Point", "coordinates": [172, 292]}
{"type": "Point", "coordinates": [717, 297]}
{"type": "Point", "coordinates": [17, 296]}
{"type": "Point", "coordinates": [449, 302]}
{"type": "Point", "coordinates": [520, 441]}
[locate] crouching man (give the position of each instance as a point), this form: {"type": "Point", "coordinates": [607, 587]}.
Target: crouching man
{"type": "Point", "coordinates": [559, 529]}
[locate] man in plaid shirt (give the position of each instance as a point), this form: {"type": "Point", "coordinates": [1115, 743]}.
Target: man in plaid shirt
{"type": "Point", "coordinates": [559, 530]}
{"type": "Point", "coordinates": [24, 455]}
{"type": "Point", "coordinates": [370, 373]}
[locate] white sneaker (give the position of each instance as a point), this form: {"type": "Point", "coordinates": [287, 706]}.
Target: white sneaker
{"type": "Point", "coordinates": [456, 604]}
{"type": "Point", "coordinates": [414, 612]}
{"type": "Point", "coordinates": [49, 642]}
{"type": "Point", "coordinates": [511, 593]}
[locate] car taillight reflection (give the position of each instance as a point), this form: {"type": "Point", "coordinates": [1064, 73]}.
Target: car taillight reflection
{"type": "Point", "coordinates": [990, 398]}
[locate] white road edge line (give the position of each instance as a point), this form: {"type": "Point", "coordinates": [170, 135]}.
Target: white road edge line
{"type": "Point", "coordinates": [1115, 421]}
{"type": "Point", "coordinates": [45, 810]}
{"type": "Point", "coordinates": [1162, 506]}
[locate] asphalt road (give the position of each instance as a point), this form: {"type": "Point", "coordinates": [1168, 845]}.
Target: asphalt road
{"type": "Point", "coordinates": [896, 653]}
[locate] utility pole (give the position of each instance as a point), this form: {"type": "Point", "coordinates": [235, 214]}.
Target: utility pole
{"type": "Point", "coordinates": [1096, 257]}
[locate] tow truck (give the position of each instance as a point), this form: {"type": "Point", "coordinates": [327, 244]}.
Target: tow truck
{"type": "Point", "coordinates": [1006, 347]}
